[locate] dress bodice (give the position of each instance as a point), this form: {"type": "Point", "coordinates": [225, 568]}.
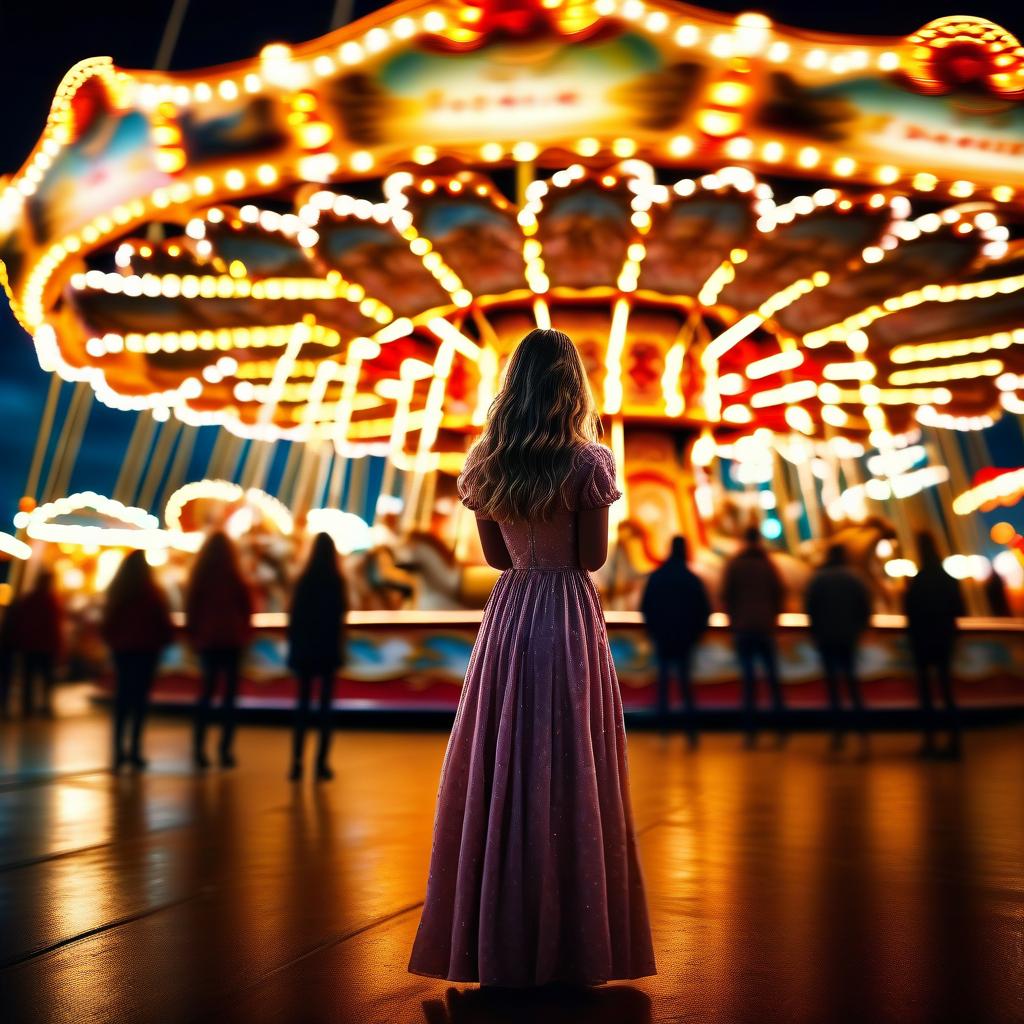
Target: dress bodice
{"type": "Point", "coordinates": [551, 544]}
{"type": "Point", "coordinates": [554, 543]}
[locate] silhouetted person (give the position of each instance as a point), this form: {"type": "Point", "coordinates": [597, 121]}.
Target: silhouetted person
{"type": "Point", "coordinates": [676, 608]}
{"type": "Point", "coordinates": [997, 597]}
{"type": "Point", "coordinates": [218, 619]}
{"type": "Point", "coordinates": [838, 605]}
{"type": "Point", "coordinates": [316, 646]}
{"type": "Point", "coordinates": [933, 603]}
{"type": "Point", "coordinates": [137, 627]}
{"type": "Point", "coordinates": [752, 594]}
{"type": "Point", "coordinates": [38, 627]}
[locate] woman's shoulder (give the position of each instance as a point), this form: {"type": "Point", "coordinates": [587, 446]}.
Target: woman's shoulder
{"type": "Point", "coordinates": [594, 453]}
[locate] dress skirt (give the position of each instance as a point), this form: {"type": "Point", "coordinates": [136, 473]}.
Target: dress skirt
{"type": "Point", "coordinates": [534, 874]}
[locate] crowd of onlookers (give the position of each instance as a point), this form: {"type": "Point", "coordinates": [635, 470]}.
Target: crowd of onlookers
{"type": "Point", "coordinates": [676, 609]}
{"type": "Point", "coordinates": [137, 627]}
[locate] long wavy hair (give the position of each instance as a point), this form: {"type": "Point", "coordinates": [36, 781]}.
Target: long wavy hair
{"type": "Point", "coordinates": [216, 566]}
{"type": "Point", "coordinates": [541, 417]}
{"type": "Point", "coordinates": [132, 582]}
{"type": "Point", "coordinates": [321, 574]}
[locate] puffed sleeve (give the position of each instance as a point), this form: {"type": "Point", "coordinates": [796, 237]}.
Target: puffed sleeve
{"type": "Point", "coordinates": [596, 478]}
{"type": "Point", "coordinates": [468, 494]}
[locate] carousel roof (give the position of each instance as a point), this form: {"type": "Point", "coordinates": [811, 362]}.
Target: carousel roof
{"type": "Point", "coordinates": [739, 223]}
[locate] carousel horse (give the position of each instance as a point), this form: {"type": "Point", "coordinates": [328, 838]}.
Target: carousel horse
{"type": "Point", "coordinates": [440, 581]}
{"type": "Point", "coordinates": [621, 579]}
{"type": "Point", "coordinates": [375, 582]}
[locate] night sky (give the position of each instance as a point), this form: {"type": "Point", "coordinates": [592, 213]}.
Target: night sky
{"type": "Point", "coordinates": [40, 40]}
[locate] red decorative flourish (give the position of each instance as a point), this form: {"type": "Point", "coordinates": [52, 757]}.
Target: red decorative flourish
{"type": "Point", "coordinates": [477, 22]}
{"type": "Point", "coordinates": [963, 52]}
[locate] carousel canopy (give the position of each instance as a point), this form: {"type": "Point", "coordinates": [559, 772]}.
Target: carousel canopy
{"type": "Point", "coordinates": [741, 225]}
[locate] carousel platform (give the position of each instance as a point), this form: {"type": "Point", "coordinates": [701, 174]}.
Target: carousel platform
{"type": "Point", "coordinates": [787, 885]}
{"type": "Point", "coordinates": [413, 663]}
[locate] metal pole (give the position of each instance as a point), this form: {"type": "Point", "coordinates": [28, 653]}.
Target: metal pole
{"type": "Point", "coordinates": [291, 470]}
{"type": "Point", "coordinates": [158, 462]}
{"type": "Point", "coordinates": [43, 436]}
{"type": "Point", "coordinates": [169, 39]}
{"type": "Point", "coordinates": [135, 458]}
{"type": "Point", "coordinates": [426, 513]}
{"type": "Point", "coordinates": [342, 14]}
{"type": "Point", "coordinates": [337, 481]}
{"type": "Point", "coordinates": [75, 424]}
{"type": "Point", "coordinates": [179, 467]}
{"type": "Point", "coordinates": [357, 480]}
{"type": "Point", "coordinates": [61, 449]}
{"type": "Point", "coordinates": [323, 467]}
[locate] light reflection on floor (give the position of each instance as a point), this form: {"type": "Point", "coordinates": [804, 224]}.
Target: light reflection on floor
{"type": "Point", "coordinates": [786, 884]}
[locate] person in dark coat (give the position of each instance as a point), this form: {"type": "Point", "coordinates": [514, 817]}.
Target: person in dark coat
{"type": "Point", "coordinates": [752, 593]}
{"type": "Point", "coordinates": [218, 620]}
{"type": "Point", "coordinates": [137, 627]}
{"type": "Point", "coordinates": [316, 646]}
{"type": "Point", "coordinates": [997, 596]}
{"type": "Point", "coordinates": [933, 602]}
{"type": "Point", "coordinates": [676, 609]}
{"type": "Point", "coordinates": [838, 605]}
{"type": "Point", "coordinates": [38, 629]}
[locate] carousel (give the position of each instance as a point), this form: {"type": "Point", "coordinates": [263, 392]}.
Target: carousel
{"type": "Point", "coordinates": [793, 264]}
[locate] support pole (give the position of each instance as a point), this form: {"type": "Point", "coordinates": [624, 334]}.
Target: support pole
{"type": "Point", "coordinates": [309, 467]}
{"type": "Point", "coordinates": [158, 462]}
{"type": "Point", "coordinates": [525, 173]}
{"type": "Point", "coordinates": [17, 570]}
{"type": "Point", "coordinates": [337, 481]}
{"type": "Point", "coordinates": [342, 14]}
{"type": "Point", "coordinates": [387, 483]}
{"type": "Point", "coordinates": [291, 470]}
{"type": "Point", "coordinates": [179, 467]}
{"type": "Point", "coordinates": [426, 515]}
{"type": "Point", "coordinates": [224, 457]}
{"type": "Point", "coordinates": [620, 510]}
{"type": "Point", "coordinates": [958, 528]}
{"type": "Point", "coordinates": [809, 493]}
{"type": "Point", "coordinates": [43, 436]}
{"type": "Point", "coordinates": [169, 39]}
{"type": "Point", "coordinates": [138, 446]}
{"type": "Point", "coordinates": [322, 470]}
{"type": "Point", "coordinates": [355, 500]}
{"type": "Point", "coordinates": [68, 442]}
{"type": "Point", "coordinates": [780, 485]}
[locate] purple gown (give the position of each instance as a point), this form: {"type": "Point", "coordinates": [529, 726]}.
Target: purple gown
{"type": "Point", "coordinates": [534, 875]}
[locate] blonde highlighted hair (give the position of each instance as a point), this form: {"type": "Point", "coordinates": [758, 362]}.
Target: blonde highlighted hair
{"type": "Point", "coordinates": [542, 416]}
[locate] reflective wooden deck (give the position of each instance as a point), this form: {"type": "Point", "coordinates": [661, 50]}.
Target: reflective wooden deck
{"type": "Point", "coordinates": [787, 885]}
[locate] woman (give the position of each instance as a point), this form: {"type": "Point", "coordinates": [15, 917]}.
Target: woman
{"type": "Point", "coordinates": [534, 875]}
{"type": "Point", "coordinates": [38, 630]}
{"type": "Point", "coordinates": [933, 602]}
{"type": "Point", "coordinates": [137, 627]}
{"type": "Point", "coordinates": [218, 614]}
{"type": "Point", "coordinates": [315, 646]}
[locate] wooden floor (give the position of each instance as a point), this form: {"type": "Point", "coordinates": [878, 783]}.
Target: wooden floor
{"type": "Point", "coordinates": [786, 885]}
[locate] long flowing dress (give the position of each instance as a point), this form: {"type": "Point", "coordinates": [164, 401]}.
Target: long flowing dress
{"type": "Point", "coordinates": [534, 875]}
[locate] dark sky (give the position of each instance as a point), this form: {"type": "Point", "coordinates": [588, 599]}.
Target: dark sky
{"type": "Point", "coordinates": [41, 39]}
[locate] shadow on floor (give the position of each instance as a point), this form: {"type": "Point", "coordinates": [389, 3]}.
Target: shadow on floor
{"type": "Point", "coordinates": [552, 1005]}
